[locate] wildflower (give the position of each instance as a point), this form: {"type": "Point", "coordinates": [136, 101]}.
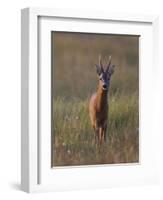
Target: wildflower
{"type": "Point", "coordinates": [68, 151]}
{"type": "Point", "coordinates": [63, 144]}
{"type": "Point", "coordinates": [77, 118]}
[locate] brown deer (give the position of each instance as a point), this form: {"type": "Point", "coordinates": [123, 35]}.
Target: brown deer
{"type": "Point", "coordinates": [98, 106]}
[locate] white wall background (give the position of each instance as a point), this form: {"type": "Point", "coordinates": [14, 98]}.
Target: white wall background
{"type": "Point", "coordinates": [10, 97]}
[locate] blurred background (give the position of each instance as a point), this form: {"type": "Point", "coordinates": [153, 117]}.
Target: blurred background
{"type": "Point", "coordinates": [74, 56]}
{"type": "Point", "coordinates": [74, 80]}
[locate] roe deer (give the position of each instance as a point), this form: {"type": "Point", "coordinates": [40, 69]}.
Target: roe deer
{"type": "Point", "coordinates": [98, 106]}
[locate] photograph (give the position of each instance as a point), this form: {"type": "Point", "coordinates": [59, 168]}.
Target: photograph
{"type": "Point", "coordinates": [94, 99]}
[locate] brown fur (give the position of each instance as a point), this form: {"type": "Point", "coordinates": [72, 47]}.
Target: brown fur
{"type": "Point", "coordinates": [98, 111]}
{"type": "Point", "coordinates": [98, 106]}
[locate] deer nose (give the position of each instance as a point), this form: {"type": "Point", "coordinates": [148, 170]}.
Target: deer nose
{"type": "Point", "coordinates": [104, 86]}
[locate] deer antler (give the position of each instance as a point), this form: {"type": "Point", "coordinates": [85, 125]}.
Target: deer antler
{"type": "Point", "coordinates": [109, 63]}
{"type": "Point", "coordinates": [100, 63]}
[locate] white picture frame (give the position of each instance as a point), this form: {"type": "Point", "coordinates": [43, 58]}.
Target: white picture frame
{"type": "Point", "coordinates": [36, 171]}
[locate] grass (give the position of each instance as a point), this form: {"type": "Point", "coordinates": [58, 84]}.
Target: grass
{"type": "Point", "coordinates": [74, 81]}
{"type": "Point", "coordinates": [74, 135]}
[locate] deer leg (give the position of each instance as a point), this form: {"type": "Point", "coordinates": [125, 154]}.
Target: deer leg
{"type": "Point", "coordinates": [105, 129]}
{"type": "Point", "coordinates": [94, 128]}
{"type": "Point", "coordinates": [96, 134]}
{"type": "Point", "coordinates": [101, 135]}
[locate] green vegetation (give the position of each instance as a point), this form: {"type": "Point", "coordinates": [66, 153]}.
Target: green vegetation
{"type": "Point", "coordinates": [74, 136]}
{"type": "Point", "coordinates": [74, 82]}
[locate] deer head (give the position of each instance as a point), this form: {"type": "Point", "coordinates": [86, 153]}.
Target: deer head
{"type": "Point", "coordinates": [104, 75]}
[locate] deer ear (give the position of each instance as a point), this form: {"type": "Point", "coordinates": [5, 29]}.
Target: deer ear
{"type": "Point", "coordinates": [98, 69]}
{"type": "Point", "coordinates": [111, 69]}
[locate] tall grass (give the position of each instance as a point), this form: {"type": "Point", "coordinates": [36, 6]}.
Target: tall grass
{"type": "Point", "coordinates": [74, 81]}
{"type": "Point", "coordinates": [74, 135]}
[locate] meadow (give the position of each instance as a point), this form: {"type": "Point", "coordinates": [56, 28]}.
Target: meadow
{"type": "Point", "coordinates": [74, 80]}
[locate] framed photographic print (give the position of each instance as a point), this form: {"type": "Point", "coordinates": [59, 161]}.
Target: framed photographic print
{"type": "Point", "coordinates": [89, 87]}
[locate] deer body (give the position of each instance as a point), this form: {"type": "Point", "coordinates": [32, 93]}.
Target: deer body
{"type": "Point", "coordinates": [98, 105]}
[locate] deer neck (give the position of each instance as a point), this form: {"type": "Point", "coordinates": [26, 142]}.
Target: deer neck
{"type": "Point", "coordinates": [102, 98]}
